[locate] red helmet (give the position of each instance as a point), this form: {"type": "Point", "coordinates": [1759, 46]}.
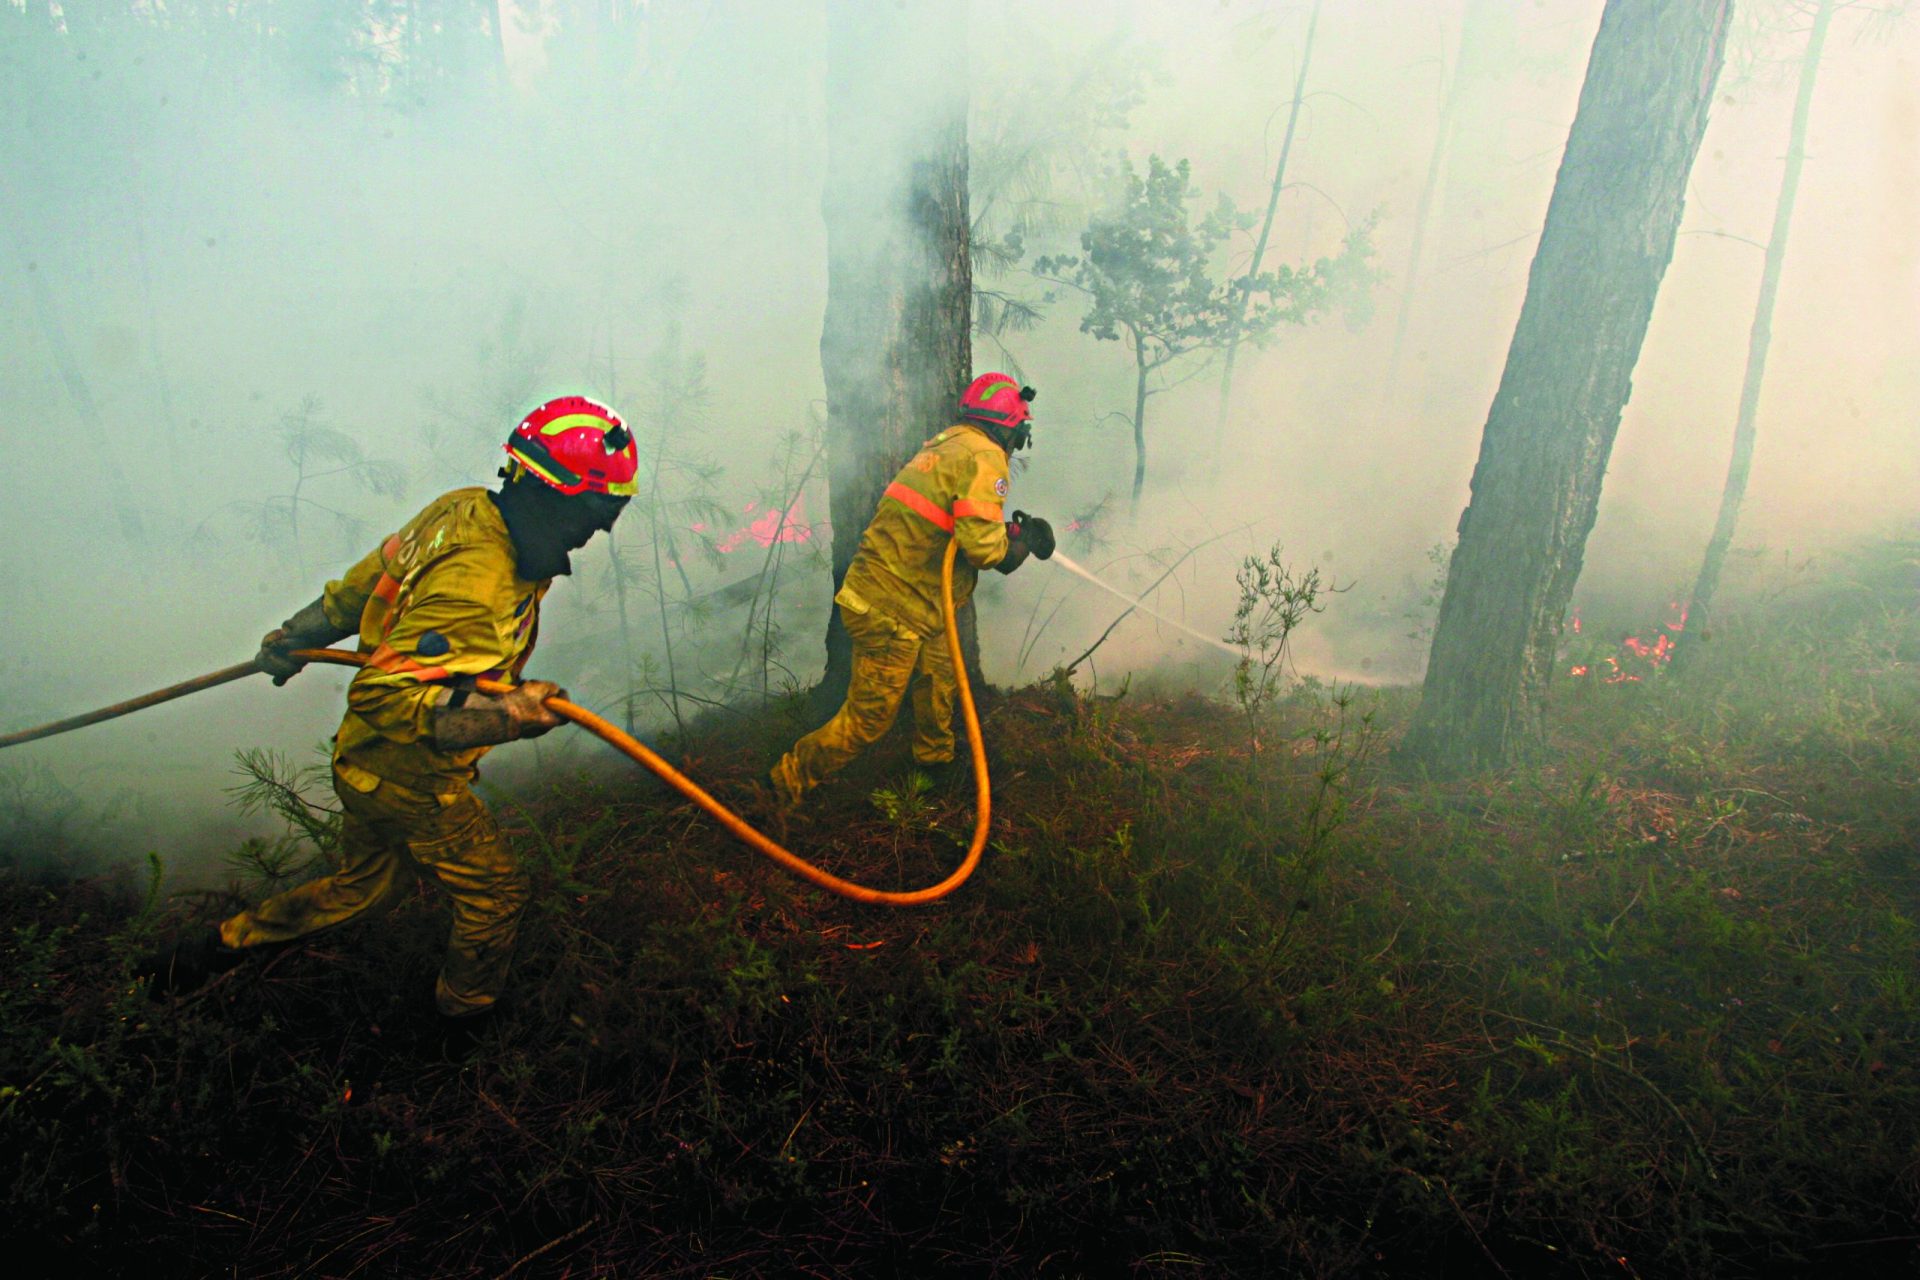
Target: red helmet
{"type": "Point", "coordinates": [995, 400]}
{"type": "Point", "coordinates": [578, 445]}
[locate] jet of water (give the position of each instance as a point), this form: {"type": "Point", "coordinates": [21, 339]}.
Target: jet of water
{"type": "Point", "coordinates": [1068, 564]}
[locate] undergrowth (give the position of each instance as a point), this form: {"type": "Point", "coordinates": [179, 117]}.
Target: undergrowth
{"type": "Point", "coordinates": [1648, 1007]}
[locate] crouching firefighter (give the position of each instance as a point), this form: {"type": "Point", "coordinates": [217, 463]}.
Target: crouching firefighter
{"type": "Point", "coordinates": [890, 600]}
{"type": "Point", "coordinates": [452, 597]}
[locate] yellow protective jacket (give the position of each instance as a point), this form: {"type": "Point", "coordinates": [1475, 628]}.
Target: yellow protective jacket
{"type": "Point", "coordinates": [436, 601]}
{"type": "Point", "coordinates": [955, 487]}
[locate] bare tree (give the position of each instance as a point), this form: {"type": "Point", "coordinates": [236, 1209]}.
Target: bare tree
{"type": "Point", "coordinates": [1266, 231]}
{"type": "Point", "coordinates": [1608, 237]}
{"type": "Point", "coordinates": [1759, 339]}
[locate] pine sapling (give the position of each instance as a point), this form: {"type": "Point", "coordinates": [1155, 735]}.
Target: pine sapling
{"type": "Point", "coordinates": [1273, 601]}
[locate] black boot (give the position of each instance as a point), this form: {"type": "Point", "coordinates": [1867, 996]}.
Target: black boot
{"type": "Point", "coordinates": [947, 775]}
{"type": "Point", "coordinates": [455, 1039]}
{"type": "Point", "coordinates": [187, 963]}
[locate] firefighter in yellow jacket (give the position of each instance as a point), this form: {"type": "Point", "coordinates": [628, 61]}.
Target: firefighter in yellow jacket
{"type": "Point", "coordinates": [955, 489]}
{"type": "Point", "coordinates": [453, 596]}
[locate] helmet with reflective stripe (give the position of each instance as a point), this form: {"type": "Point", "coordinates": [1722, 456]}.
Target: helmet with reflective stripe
{"type": "Point", "coordinates": [577, 445]}
{"type": "Point", "coordinates": [998, 403]}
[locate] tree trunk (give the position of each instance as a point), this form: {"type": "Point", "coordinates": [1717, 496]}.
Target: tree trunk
{"type": "Point", "coordinates": [1472, 23]}
{"type": "Point", "coordinates": [1758, 341]}
{"type": "Point", "coordinates": [895, 348]}
{"type": "Point", "coordinates": [1139, 426]}
{"type": "Point", "coordinates": [1266, 232]}
{"type": "Point", "coordinates": [1606, 243]}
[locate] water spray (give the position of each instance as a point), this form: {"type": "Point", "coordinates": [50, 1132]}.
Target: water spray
{"type": "Point", "coordinates": [1067, 563]}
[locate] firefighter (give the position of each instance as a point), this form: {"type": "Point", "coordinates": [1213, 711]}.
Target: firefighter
{"type": "Point", "coordinates": [453, 596]}
{"type": "Point", "coordinates": [954, 488]}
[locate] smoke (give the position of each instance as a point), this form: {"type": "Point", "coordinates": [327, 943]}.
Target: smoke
{"type": "Point", "coordinates": [214, 244]}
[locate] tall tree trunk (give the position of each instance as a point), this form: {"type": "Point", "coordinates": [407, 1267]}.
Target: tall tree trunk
{"type": "Point", "coordinates": [1139, 426]}
{"type": "Point", "coordinates": [1758, 341]}
{"type": "Point", "coordinates": [895, 348]}
{"type": "Point", "coordinates": [1606, 243]}
{"type": "Point", "coordinates": [1266, 233]}
{"type": "Point", "coordinates": [1472, 22]}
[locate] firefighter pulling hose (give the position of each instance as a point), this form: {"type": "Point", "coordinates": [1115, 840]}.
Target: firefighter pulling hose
{"type": "Point", "coordinates": [446, 612]}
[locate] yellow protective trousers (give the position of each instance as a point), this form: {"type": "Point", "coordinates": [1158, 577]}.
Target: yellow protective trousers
{"type": "Point", "coordinates": [887, 657]}
{"type": "Point", "coordinates": [388, 837]}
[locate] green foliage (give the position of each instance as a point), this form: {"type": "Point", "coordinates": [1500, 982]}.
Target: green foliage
{"type": "Point", "coordinates": [1149, 272]}
{"type": "Point", "coordinates": [275, 785]}
{"type": "Point", "coordinates": [906, 804]}
{"type": "Point", "coordinates": [1153, 278]}
{"type": "Point", "coordinates": [1030, 170]}
{"type": "Point", "coordinates": [1273, 601]}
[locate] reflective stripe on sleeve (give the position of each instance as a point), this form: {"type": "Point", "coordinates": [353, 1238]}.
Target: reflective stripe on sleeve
{"type": "Point", "coordinates": [920, 505]}
{"type": "Point", "coordinates": [978, 510]}
{"type": "Point", "coordinates": [387, 659]}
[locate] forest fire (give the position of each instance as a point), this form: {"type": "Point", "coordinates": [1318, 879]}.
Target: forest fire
{"type": "Point", "coordinates": [1637, 657]}
{"type": "Point", "coordinates": [1284, 899]}
{"type": "Point", "coordinates": [770, 526]}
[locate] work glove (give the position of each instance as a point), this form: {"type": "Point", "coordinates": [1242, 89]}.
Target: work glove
{"type": "Point", "coordinates": [1035, 532]}
{"type": "Point", "coordinates": [1026, 535]}
{"type": "Point", "coordinates": [310, 628]}
{"type": "Point", "coordinates": [527, 710]}
{"type": "Point", "coordinates": [481, 720]}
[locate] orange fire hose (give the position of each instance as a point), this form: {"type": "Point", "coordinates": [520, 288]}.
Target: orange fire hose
{"type": "Point", "coordinates": [642, 754]}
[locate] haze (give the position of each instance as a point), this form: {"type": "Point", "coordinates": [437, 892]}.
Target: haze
{"type": "Point", "coordinates": [212, 240]}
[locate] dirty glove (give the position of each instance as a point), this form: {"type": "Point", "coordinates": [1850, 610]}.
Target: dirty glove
{"type": "Point", "coordinates": [1035, 532]}
{"type": "Point", "coordinates": [310, 628]}
{"type": "Point", "coordinates": [1017, 550]}
{"type": "Point", "coordinates": [468, 720]}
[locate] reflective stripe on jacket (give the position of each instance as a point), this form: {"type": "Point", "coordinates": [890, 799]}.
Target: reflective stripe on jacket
{"type": "Point", "coordinates": [437, 600]}
{"type": "Point", "coordinates": [955, 487]}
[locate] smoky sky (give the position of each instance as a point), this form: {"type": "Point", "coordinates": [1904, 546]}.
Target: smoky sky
{"type": "Point", "coordinates": [210, 248]}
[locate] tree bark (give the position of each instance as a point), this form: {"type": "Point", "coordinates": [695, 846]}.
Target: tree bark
{"type": "Point", "coordinates": [1758, 341]}
{"type": "Point", "coordinates": [895, 348]}
{"type": "Point", "coordinates": [1608, 237]}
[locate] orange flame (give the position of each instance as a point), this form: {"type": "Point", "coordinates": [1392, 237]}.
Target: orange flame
{"type": "Point", "coordinates": [770, 526]}
{"type": "Point", "coordinates": [1651, 656]}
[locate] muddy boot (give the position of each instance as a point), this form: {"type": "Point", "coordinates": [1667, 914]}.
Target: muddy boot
{"type": "Point", "coordinates": [187, 963]}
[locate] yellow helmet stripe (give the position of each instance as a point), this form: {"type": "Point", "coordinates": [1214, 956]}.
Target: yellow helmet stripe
{"type": "Point", "coordinates": [568, 422]}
